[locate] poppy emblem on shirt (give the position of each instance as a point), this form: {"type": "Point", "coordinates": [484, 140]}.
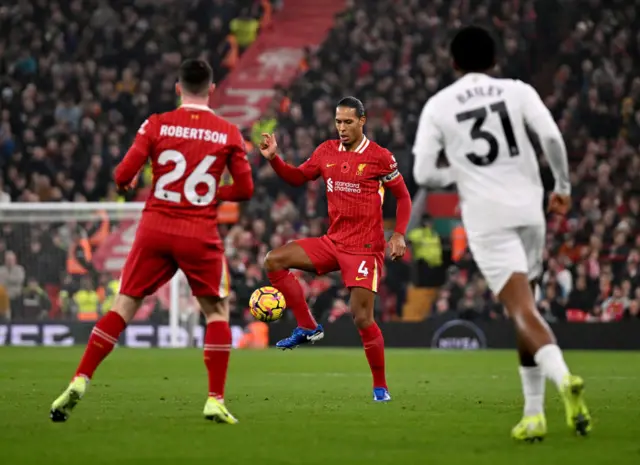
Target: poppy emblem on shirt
{"type": "Point", "coordinates": [360, 170]}
{"type": "Point", "coordinates": [345, 167]}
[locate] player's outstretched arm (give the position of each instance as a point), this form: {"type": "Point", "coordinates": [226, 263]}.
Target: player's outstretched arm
{"type": "Point", "coordinates": [398, 188]}
{"type": "Point", "coordinates": [290, 174]}
{"type": "Point", "coordinates": [126, 173]}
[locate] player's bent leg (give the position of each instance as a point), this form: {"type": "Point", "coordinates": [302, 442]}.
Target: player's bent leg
{"type": "Point", "coordinates": [278, 262]}
{"type": "Point", "coordinates": [217, 349]}
{"type": "Point", "coordinates": [361, 305]}
{"type": "Point", "coordinates": [537, 338]}
{"type": "Point", "coordinates": [102, 340]}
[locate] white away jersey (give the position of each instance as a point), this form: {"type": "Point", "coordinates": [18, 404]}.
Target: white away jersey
{"type": "Point", "coordinates": [480, 122]}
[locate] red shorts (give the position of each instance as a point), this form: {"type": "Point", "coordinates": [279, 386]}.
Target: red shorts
{"type": "Point", "coordinates": [155, 257]}
{"type": "Point", "coordinates": [358, 270]}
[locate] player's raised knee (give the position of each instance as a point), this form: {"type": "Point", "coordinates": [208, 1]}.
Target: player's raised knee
{"type": "Point", "coordinates": [275, 260]}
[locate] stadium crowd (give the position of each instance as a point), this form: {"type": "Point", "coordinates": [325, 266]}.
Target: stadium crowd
{"type": "Point", "coordinates": [77, 78]}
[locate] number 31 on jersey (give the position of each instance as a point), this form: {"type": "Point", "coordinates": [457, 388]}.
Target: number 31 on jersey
{"type": "Point", "coordinates": [199, 176]}
{"type": "Point", "coordinates": [479, 115]}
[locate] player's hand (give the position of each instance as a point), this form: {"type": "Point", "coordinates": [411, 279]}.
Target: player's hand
{"type": "Point", "coordinates": [129, 187]}
{"type": "Point", "coordinates": [268, 146]}
{"type": "Point", "coordinates": [132, 185]}
{"type": "Point", "coordinates": [397, 245]}
{"type": "Point", "coordinates": [559, 203]}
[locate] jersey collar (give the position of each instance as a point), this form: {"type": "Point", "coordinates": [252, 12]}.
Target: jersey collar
{"type": "Point", "coordinates": [193, 106]}
{"type": "Point", "coordinates": [360, 149]}
{"type": "Point", "coordinates": [475, 75]}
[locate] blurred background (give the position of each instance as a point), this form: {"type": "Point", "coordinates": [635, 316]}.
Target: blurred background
{"type": "Point", "coordinates": [78, 77]}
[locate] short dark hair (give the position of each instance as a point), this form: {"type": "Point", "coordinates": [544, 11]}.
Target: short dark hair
{"type": "Point", "coordinates": [355, 103]}
{"type": "Point", "coordinates": [195, 76]}
{"type": "Point", "coordinates": [473, 49]}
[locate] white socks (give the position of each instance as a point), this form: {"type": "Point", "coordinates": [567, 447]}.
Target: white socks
{"type": "Point", "coordinates": [549, 358]}
{"type": "Point", "coordinates": [550, 365]}
{"type": "Point", "coordinates": [533, 384]}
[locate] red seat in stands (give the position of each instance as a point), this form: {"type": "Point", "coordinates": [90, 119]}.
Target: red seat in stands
{"type": "Point", "coordinates": [576, 315]}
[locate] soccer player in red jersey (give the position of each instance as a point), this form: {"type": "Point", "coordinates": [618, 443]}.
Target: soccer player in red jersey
{"type": "Point", "coordinates": [189, 149]}
{"type": "Point", "coordinates": [356, 171]}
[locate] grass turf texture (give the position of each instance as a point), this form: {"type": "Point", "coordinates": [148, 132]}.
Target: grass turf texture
{"type": "Point", "coordinates": [309, 406]}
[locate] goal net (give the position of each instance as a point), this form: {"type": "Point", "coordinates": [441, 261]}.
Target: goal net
{"type": "Point", "coordinates": [62, 265]}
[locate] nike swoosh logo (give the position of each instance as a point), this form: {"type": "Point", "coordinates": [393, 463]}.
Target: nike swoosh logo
{"type": "Point", "coordinates": [360, 278]}
{"type": "Point", "coordinates": [329, 165]}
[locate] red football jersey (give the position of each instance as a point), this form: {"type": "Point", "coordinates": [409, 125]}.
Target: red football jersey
{"type": "Point", "coordinates": [189, 149]}
{"type": "Point", "coordinates": [354, 183]}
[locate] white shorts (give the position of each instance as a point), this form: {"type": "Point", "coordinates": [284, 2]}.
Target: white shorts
{"type": "Point", "coordinates": [501, 253]}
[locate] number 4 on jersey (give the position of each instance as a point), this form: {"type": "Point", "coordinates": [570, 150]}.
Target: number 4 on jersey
{"type": "Point", "coordinates": [363, 270]}
{"type": "Point", "coordinates": [200, 175]}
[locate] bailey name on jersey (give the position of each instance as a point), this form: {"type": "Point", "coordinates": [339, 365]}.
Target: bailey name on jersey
{"type": "Point", "coordinates": [480, 91]}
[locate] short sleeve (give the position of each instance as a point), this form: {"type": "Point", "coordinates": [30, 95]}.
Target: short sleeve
{"type": "Point", "coordinates": [311, 167]}
{"type": "Point", "coordinates": [237, 161]}
{"type": "Point", "coordinates": [389, 167]}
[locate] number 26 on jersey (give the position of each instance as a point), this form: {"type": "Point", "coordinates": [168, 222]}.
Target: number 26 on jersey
{"type": "Point", "coordinates": [200, 176]}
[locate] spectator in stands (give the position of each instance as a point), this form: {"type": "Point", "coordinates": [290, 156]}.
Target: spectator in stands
{"type": "Point", "coordinates": [633, 311]}
{"type": "Point", "coordinates": [426, 247]}
{"type": "Point", "coordinates": [558, 274]}
{"type": "Point", "coordinates": [86, 301]}
{"type": "Point", "coordinates": [441, 307]}
{"type": "Point", "coordinates": [580, 297]}
{"type": "Point", "coordinates": [245, 28]}
{"type": "Point", "coordinates": [4, 195]}
{"type": "Point", "coordinates": [614, 307]}
{"type": "Point", "coordinates": [12, 277]}
{"type": "Point", "coordinates": [266, 124]}
{"type": "Point", "coordinates": [35, 301]}
{"type": "Point", "coordinates": [552, 306]}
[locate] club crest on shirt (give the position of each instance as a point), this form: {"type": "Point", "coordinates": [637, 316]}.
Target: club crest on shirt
{"type": "Point", "coordinates": [360, 170]}
{"type": "Point", "coordinates": [345, 167]}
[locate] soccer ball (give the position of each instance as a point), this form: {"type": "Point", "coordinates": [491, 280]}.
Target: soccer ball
{"type": "Point", "coordinates": [267, 304]}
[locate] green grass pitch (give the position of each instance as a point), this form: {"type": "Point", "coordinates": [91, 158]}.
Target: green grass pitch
{"type": "Point", "coordinates": [310, 406]}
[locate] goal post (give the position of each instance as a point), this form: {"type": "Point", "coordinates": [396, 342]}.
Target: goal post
{"type": "Point", "coordinates": [65, 260]}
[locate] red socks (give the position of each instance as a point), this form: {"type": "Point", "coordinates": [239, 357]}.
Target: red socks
{"type": "Point", "coordinates": [373, 343]}
{"type": "Point", "coordinates": [286, 283]}
{"type": "Point", "coordinates": [217, 348]}
{"type": "Point", "coordinates": [101, 342]}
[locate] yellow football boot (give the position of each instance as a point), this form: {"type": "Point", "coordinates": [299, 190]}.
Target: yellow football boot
{"type": "Point", "coordinates": [577, 414]}
{"type": "Point", "coordinates": [62, 406]}
{"type": "Point", "coordinates": [215, 410]}
{"type": "Point", "coordinates": [530, 429]}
